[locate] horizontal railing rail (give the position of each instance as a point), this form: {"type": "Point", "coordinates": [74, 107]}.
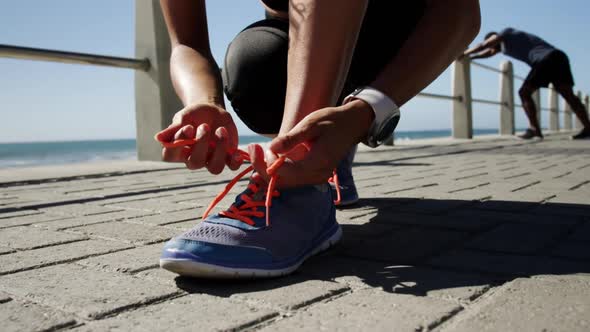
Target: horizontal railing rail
{"type": "Point", "coordinates": [490, 68]}
{"type": "Point", "coordinates": [439, 96]}
{"type": "Point", "coordinates": [40, 54]}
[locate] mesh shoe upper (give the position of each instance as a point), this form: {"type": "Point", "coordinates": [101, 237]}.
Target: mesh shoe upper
{"type": "Point", "coordinates": [299, 215]}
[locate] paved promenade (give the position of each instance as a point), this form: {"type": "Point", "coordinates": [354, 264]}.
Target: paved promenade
{"type": "Point", "coordinates": [484, 235]}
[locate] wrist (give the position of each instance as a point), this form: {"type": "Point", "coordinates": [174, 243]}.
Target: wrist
{"type": "Point", "coordinates": [363, 114]}
{"type": "Point", "coordinates": [211, 101]}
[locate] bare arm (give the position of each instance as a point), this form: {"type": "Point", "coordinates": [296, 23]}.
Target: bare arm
{"type": "Point", "coordinates": [197, 82]}
{"type": "Point", "coordinates": [195, 74]}
{"type": "Point", "coordinates": [322, 35]}
{"type": "Point", "coordinates": [444, 31]}
{"type": "Point", "coordinates": [484, 54]}
{"type": "Point", "coordinates": [487, 44]}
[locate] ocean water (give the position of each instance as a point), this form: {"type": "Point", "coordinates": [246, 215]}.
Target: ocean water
{"type": "Point", "coordinates": [60, 153]}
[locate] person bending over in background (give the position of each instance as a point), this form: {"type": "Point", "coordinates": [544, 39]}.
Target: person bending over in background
{"type": "Point", "coordinates": [324, 74]}
{"type": "Point", "coordinates": [548, 65]}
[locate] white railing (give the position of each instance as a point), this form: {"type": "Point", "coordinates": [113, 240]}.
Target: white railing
{"type": "Point", "coordinates": [156, 101]}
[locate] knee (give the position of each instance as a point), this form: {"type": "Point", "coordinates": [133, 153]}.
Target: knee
{"type": "Point", "coordinates": [525, 92]}
{"type": "Point", "coordinates": [255, 60]}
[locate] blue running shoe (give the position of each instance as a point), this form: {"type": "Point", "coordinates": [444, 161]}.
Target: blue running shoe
{"type": "Point", "coordinates": [348, 193]}
{"type": "Point", "coordinates": [239, 242]}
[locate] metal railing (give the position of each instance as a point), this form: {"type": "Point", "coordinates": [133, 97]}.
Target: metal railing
{"type": "Point", "coordinates": [28, 53]}
{"type": "Point", "coordinates": [156, 101]}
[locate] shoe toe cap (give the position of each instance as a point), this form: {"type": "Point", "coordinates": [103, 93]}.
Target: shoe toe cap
{"type": "Point", "coordinates": [214, 253]}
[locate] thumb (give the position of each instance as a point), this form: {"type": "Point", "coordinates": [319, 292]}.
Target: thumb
{"type": "Point", "coordinates": [302, 133]}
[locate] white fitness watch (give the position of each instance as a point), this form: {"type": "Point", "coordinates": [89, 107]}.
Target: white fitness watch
{"type": "Point", "coordinates": [387, 114]}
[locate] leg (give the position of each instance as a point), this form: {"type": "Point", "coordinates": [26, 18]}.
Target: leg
{"type": "Point", "coordinates": [255, 74]}
{"type": "Point", "coordinates": [567, 92]}
{"type": "Point", "coordinates": [530, 109]}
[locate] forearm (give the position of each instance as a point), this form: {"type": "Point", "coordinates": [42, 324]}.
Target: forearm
{"type": "Point", "coordinates": [441, 35]}
{"type": "Point", "coordinates": [481, 55]}
{"type": "Point", "coordinates": [195, 76]}
{"type": "Point", "coordinates": [477, 48]}
{"type": "Point", "coordinates": [322, 35]}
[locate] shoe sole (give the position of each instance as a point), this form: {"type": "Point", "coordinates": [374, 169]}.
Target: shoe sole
{"type": "Point", "coordinates": [347, 203]}
{"type": "Point", "coordinates": [190, 268]}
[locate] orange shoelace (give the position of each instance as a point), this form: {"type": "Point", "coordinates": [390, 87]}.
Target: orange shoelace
{"type": "Point", "coordinates": [248, 210]}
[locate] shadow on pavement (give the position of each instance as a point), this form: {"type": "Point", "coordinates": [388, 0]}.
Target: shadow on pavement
{"type": "Point", "coordinates": [414, 246]}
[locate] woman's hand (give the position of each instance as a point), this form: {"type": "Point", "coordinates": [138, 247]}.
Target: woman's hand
{"type": "Point", "coordinates": [328, 133]}
{"type": "Point", "coordinates": [216, 138]}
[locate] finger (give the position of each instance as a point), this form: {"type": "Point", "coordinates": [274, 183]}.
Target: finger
{"type": "Point", "coordinates": [167, 134]}
{"type": "Point", "coordinates": [234, 161]}
{"type": "Point", "coordinates": [198, 156]}
{"type": "Point", "coordinates": [257, 159]}
{"type": "Point", "coordinates": [302, 133]}
{"type": "Point", "coordinates": [216, 162]}
{"type": "Point", "coordinates": [178, 154]}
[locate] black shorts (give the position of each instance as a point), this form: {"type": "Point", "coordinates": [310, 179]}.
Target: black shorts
{"type": "Point", "coordinates": [554, 68]}
{"type": "Point", "coordinates": [255, 66]}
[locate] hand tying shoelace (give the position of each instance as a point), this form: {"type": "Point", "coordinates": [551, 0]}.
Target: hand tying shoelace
{"type": "Point", "coordinates": [248, 209]}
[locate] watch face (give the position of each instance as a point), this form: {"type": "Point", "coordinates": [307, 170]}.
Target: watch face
{"type": "Point", "coordinates": [387, 128]}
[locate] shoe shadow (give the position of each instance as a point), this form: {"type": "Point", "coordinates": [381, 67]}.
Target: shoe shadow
{"type": "Point", "coordinates": [418, 246]}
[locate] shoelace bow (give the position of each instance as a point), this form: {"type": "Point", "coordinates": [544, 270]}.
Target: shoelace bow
{"type": "Point", "coordinates": [246, 211]}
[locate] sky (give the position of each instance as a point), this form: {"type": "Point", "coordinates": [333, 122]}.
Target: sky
{"type": "Point", "coordinates": [43, 101]}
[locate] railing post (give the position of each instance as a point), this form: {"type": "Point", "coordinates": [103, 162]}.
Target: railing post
{"type": "Point", "coordinates": [155, 100]}
{"type": "Point", "coordinates": [587, 104]}
{"type": "Point", "coordinates": [553, 109]}
{"type": "Point", "coordinates": [462, 106]}
{"type": "Point", "coordinates": [567, 116]}
{"type": "Point", "coordinates": [579, 124]}
{"type": "Point", "coordinates": [537, 100]}
{"type": "Point", "coordinates": [507, 98]}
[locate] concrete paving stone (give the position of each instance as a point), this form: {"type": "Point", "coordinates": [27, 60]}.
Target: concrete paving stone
{"type": "Point", "coordinates": [5, 250]}
{"type": "Point", "coordinates": [399, 246]}
{"type": "Point", "coordinates": [4, 297]}
{"type": "Point", "coordinates": [25, 316]}
{"type": "Point", "coordinates": [183, 225]}
{"type": "Point", "coordinates": [578, 199]}
{"type": "Point", "coordinates": [506, 265]}
{"type": "Point", "coordinates": [411, 280]}
{"type": "Point", "coordinates": [370, 310]}
{"type": "Point", "coordinates": [85, 292]}
{"type": "Point", "coordinates": [93, 219]}
{"type": "Point", "coordinates": [130, 261]}
{"type": "Point", "coordinates": [517, 238]}
{"type": "Point", "coordinates": [26, 237]}
{"type": "Point", "coordinates": [159, 275]}
{"type": "Point", "coordinates": [286, 293]}
{"type": "Point", "coordinates": [166, 218]}
{"type": "Point", "coordinates": [30, 219]}
{"type": "Point", "coordinates": [79, 209]}
{"type": "Point", "coordinates": [187, 313]}
{"type": "Point", "coordinates": [26, 260]}
{"type": "Point", "coordinates": [126, 232]}
{"type": "Point", "coordinates": [572, 250]}
{"type": "Point", "coordinates": [150, 205]}
{"type": "Point", "coordinates": [18, 213]}
{"type": "Point", "coordinates": [531, 305]}
{"type": "Point", "coordinates": [502, 216]}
